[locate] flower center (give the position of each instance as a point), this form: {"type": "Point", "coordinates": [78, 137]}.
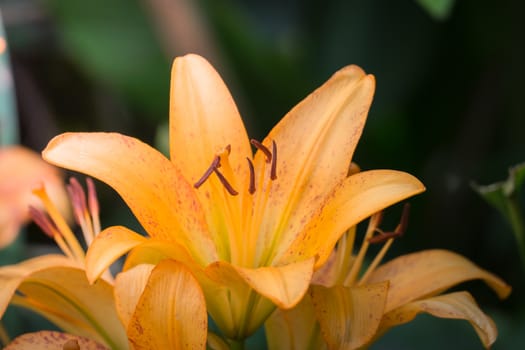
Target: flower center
{"type": "Point", "coordinates": [271, 157]}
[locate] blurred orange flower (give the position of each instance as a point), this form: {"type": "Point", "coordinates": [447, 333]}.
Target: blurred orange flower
{"type": "Point", "coordinates": [21, 170]}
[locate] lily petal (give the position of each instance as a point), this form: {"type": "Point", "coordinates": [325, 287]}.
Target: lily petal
{"type": "Point", "coordinates": [430, 272]}
{"type": "Point", "coordinates": [294, 329]}
{"type": "Point", "coordinates": [459, 305]}
{"type": "Point", "coordinates": [107, 247]}
{"type": "Point", "coordinates": [315, 143]}
{"type": "Point", "coordinates": [51, 340]}
{"type": "Point", "coordinates": [13, 275]}
{"type": "Point", "coordinates": [177, 322]}
{"type": "Point", "coordinates": [358, 197]}
{"type": "Point", "coordinates": [129, 286]}
{"type": "Point", "coordinates": [159, 196]}
{"type": "Point", "coordinates": [349, 316]}
{"type": "Point", "coordinates": [283, 285]}
{"type": "Point", "coordinates": [63, 295]}
{"type": "Point", "coordinates": [204, 118]}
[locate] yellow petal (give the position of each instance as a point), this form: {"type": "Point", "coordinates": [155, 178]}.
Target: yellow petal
{"type": "Point", "coordinates": [294, 329]}
{"type": "Point", "coordinates": [107, 247]}
{"type": "Point", "coordinates": [51, 340]}
{"type": "Point", "coordinates": [129, 286]}
{"type": "Point", "coordinates": [157, 193]}
{"type": "Point", "coordinates": [358, 197]}
{"type": "Point", "coordinates": [459, 305]}
{"type": "Point", "coordinates": [12, 276]}
{"type": "Point", "coordinates": [349, 317]}
{"type": "Point", "coordinates": [427, 273]}
{"type": "Point", "coordinates": [175, 322]}
{"type": "Point", "coordinates": [64, 296]}
{"type": "Point", "coordinates": [23, 170]}
{"type": "Point", "coordinates": [204, 119]}
{"type": "Point", "coordinates": [315, 143]}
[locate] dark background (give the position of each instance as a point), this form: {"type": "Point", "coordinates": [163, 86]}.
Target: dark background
{"type": "Point", "coordinates": [449, 106]}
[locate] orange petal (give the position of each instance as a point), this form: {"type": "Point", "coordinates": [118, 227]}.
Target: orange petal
{"type": "Point", "coordinates": [430, 272]}
{"type": "Point", "coordinates": [171, 313]}
{"type": "Point", "coordinates": [154, 189]}
{"type": "Point", "coordinates": [349, 317]}
{"type": "Point", "coordinates": [459, 305]}
{"type": "Point", "coordinates": [294, 329]}
{"type": "Point", "coordinates": [358, 197]}
{"type": "Point", "coordinates": [204, 119]}
{"type": "Point", "coordinates": [108, 246]}
{"type": "Point", "coordinates": [51, 340]}
{"type": "Point", "coordinates": [315, 143]}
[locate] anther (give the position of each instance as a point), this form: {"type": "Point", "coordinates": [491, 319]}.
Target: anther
{"type": "Point", "coordinates": [398, 232]}
{"type": "Point", "coordinates": [263, 149]}
{"type": "Point", "coordinates": [225, 183]}
{"type": "Point", "coordinates": [214, 165]}
{"type": "Point", "coordinates": [251, 188]}
{"type": "Point", "coordinates": [273, 170]}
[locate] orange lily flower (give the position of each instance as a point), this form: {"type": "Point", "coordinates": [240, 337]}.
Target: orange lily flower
{"type": "Point", "coordinates": [252, 228]}
{"type": "Point", "coordinates": [344, 311]}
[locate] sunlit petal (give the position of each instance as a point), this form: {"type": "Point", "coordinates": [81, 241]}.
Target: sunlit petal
{"type": "Point", "coordinates": [459, 305]}
{"type": "Point", "coordinates": [349, 316]}
{"type": "Point", "coordinates": [175, 322]}
{"type": "Point", "coordinates": [358, 197]}
{"type": "Point", "coordinates": [159, 196]}
{"type": "Point", "coordinates": [429, 273]}
{"type": "Point", "coordinates": [51, 340]}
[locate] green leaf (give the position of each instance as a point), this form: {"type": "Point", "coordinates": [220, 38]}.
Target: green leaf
{"type": "Point", "coordinates": [438, 9]}
{"type": "Point", "coordinates": [504, 196]}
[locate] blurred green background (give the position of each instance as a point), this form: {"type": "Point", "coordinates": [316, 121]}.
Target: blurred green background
{"type": "Point", "coordinates": [449, 106]}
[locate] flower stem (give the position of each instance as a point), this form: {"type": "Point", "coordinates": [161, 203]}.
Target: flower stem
{"type": "Point", "coordinates": [236, 344]}
{"type": "Point", "coordinates": [518, 226]}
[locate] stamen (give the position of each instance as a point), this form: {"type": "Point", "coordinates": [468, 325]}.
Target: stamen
{"type": "Point", "coordinates": [273, 171]}
{"type": "Point", "coordinates": [78, 199]}
{"type": "Point", "coordinates": [214, 165]}
{"type": "Point", "coordinates": [225, 183]}
{"type": "Point", "coordinates": [398, 232]}
{"type": "Point", "coordinates": [43, 221]}
{"type": "Point", "coordinates": [251, 189]}
{"type": "Point", "coordinates": [93, 205]}
{"type": "Point", "coordinates": [263, 149]}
